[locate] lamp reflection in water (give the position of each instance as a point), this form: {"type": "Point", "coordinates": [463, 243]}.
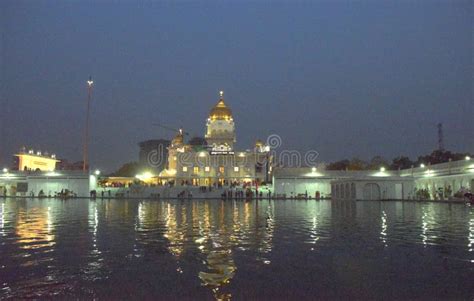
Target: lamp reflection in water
{"type": "Point", "coordinates": [267, 233]}
{"type": "Point", "coordinates": [470, 245]}
{"type": "Point", "coordinates": [2, 221]}
{"type": "Point", "coordinates": [427, 224]}
{"type": "Point", "coordinates": [383, 232]}
{"type": "Point", "coordinates": [314, 232]}
{"type": "Point", "coordinates": [424, 226]}
{"type": "Point", "coordinates": [93, 221]}
{"type": "Point", "coordinates": [94, 266]}
{"type": "Point", "coordinates": [140, 230]}
{"type": "Point", "coordinates": [317, 224]}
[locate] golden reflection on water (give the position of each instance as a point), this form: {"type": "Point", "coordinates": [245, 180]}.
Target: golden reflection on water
{"type": "Point", "coordinates": [216, 229]}
{"type": "Point", "coordinates": [216, 243]}
{"type": "Point", "coordinates": [35, 228]}
{"type": "Point", "coordinates": [173, 232]}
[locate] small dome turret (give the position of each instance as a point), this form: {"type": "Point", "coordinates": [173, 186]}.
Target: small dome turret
{"type": "Point", "coordinates": [259, 143]}
{"type": "Point", "coordinates": [178, 140]}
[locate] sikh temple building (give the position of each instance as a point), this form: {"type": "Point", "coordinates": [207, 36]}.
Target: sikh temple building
{"type": "Point", "coordinates": [218, 163]}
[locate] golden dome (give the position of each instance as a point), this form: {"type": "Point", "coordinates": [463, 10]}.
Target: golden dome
{"type": "Point", "coordinates": [220, 111]}
{"type": "Point", "coordinates": [259, 143]}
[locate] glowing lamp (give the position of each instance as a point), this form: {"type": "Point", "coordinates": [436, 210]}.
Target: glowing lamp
{"type": "Point", "coordinates": [144, 176]}
{"type": "Point", "coordinates": [52, 174]}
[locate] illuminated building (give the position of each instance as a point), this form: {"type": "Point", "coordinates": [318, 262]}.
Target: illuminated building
{"type": "Point", "coordinates": [36, 161]}
{"type": "Point", "coordinates": [219, 163]}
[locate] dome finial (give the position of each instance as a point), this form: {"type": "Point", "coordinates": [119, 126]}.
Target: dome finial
{"type": "Point", "coordinates": [221, 93]}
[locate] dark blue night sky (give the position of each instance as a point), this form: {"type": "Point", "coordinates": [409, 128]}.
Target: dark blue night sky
{"type": "Point", "coordinates": [348, 79]}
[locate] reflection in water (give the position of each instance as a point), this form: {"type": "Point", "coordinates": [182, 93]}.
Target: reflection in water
{"type": "Point", "coordinates": [34, 228]}
{"type": "Point", "coordinates": [224, 228]}
{"type": "Point", "coordinates": [216, 242]}
{"type": "Point", "coordinates": [94, 267]}
{"type": "Point", "coordinates": [93, 221]}
{"type": "Point", "coordinates": [383, 232]}
{"type": "Point", "coordinates": [471, 231]}
{"type": "Point", "coordinates": [428, 224]}
{"type": "Point", "coordinates": [315, 236]}
{"type": "Point", "coordinates": [318, 223]}
{"type": "Point", "coordinates": [2, 220]}
{"type": "Point", "coordinates": [198, 249]}
{"type": "Point", "coordinates": [424, 226]}
{"type": "Point", "coordinates": [174, 232]}
{"type": "Point", "coordinates": [220, 266]}
{"type": "Point", "coordinates": [267, 240]}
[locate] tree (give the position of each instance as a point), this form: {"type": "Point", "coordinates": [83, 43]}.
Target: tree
{"type": "Point", "coordinates": [440, 156]}
{"type": "Point", "coordinates": [129, 169]}
{"type": "Point", "coordinates": [338, 165]}
{"type": "Point", "coordinates": [401, 162]}
{"type": "Point", "coordinates": [197, 141]}
{"type": "Point", "coordinates": [377, 162]}
{"type": "Point", "coordinates": [357, 164]}
{"type": "Point", "coordinates": [354, 164]}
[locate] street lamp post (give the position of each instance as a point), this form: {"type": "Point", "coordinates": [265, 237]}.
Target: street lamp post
{"type": "Point", "coordinates": [86, 131]}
